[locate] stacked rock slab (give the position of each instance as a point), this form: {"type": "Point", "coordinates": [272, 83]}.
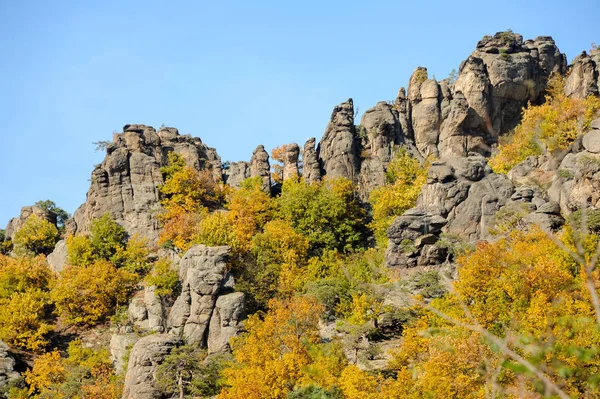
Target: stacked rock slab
{"type": "Point", "coordinates": [291, 156]}
{"type": "Point", "coordinates": [311, 169]}
{"type": "Point", "coordinates": [126, 184]}
{"type": "Point", "coordinates": [259, 167]}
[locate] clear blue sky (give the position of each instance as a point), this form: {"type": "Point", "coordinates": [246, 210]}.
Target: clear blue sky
{"type": "Point", "coordinates": [234, 73]}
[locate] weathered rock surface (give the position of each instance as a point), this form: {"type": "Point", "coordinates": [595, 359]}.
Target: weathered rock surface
{"type": "Point", "coordinates": [259, 167]}
{"type": "Point", "coordinates": [119, 345]}
{"type": "Point", "coordinates": [338, 150]}
{"type": "Point", "coordinates": [16, 223]}
{"type": "Point", "coordinates": [58, 258]}
{"type": "Point", "coordinates": [584, 76]}
{"type": "Point", "coordinates": [225, 322]}
{"type": "Point", "coordinates": [126, 184]}
{"type": "Point", "coordinates": [462, 199]}
{"type": "Point", "coordinates": [146, 356]}
{"type": "Point", "coordinates": [237, 173]}
{"type": "Point", "coordinates": [310, 162]}
{"type": "Point", "coordinates": [290, 161]}
{"type": "Point", "coordinates": [7, 366]}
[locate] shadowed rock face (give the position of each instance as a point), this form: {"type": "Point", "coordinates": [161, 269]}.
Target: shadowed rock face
{"type": "Point", "coordinates": [311, 169]}
{"type": "Point", "coordinates": [126, 184]}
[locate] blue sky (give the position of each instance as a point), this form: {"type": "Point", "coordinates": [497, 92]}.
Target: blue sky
{"type": "Point", "coordinates": [234, 73]}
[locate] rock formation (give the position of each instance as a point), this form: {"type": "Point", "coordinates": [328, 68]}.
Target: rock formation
{"type": "Point", "coordinates": [290, 161]}
{"type": "Point", "coordinates": [7, 366]}
{"type": "Point", "coordinates": [311, 169]}
{"type": "Point", "coordinates": [338, 150]}
{"type": "Point", "coordinates": [146, 356]}
{"type": "Point", "coordinates": [259, 167]}
{"type": "Point", "coordinates": [126, 184]}
{"type": "Point", "coordinates": [584, 75]}
{"type": "Point", "coordinates": [16, 223]}
{"type": "Point", "coordinates": [237, 173]}
{"type": "Point", "coordinates": [462, 199]}
{"type": "Point", "coordinates": [207, 312]}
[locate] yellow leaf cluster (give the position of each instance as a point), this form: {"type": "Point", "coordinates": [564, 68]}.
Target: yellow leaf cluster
{"type": "Point", "coordinates": [550, 126]}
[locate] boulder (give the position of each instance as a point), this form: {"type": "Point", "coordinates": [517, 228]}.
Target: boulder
{"type": "Point", "coordinates": [225, 322]}
{"type": "Point", "coordinates": [58, 258]}
{"type": "Point", "coordinates": [120, 344]}
{"type": "Point", "coordinates": [146, 356]}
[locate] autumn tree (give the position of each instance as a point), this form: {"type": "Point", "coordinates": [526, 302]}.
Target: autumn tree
{"type": "Point", "coordinates": [25, 312]}
{"type": "Point", "coordinates": [274, 356]}
{"type": "Point", "coordinates": [326, 213]}
{"type": "Point", "coordinates": [405, 176]}
{"type": "Point", "coordinates": [36, 236]}
{"type": "Point", "coordinates": [61, 214]}
{"type": "Point", "coordinates": [86, 295]}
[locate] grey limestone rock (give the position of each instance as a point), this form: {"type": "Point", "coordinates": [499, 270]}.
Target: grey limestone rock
{"type": "Point", "coordinates": [58, 258]}
{"type": "Point", "coordinates": [7, 366]}
{"type": "Point", "coordinates": [584, 75]}
{"type": "Point", "coordinates": [225, 322]}
{"type": "Point", "coordinates": [338, 149]}
{"type": "Point", "coordinates": [259, 167]}
{"type": "Point", "coordinates": [125, 184]}
{"type": "Point", "coordinates": [310, 162]}
{"type": "Point", "coordinates": [290, 161]}
{"type": "Point", "coordinates": [146, 356]}
{"type": "Point", "coordinates": [237, 173]}
{"type": "Point", "coordinates": [119, 345]}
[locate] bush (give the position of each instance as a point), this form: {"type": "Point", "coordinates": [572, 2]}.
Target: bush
{"type": "Point", "coordinates": [163, 277]}
{"type": "Point", "coordinates": [36, 236]}
{"type": "Point", "coordinates": [87, 295]}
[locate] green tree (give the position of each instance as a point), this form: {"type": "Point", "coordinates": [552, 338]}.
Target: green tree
{"type": "Point", "coordinates": [187, 373]}
{"type": "Point", "coordinates": [61, 214]}
{"type": "Point", "coordinates": [326, 213]}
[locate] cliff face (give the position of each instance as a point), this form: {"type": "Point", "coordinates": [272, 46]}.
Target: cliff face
{"type": "Point", "coordinates": [125, 184]}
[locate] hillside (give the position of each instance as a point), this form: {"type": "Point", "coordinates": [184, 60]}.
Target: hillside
{"type": "Point", "coordinates": [445, 245]}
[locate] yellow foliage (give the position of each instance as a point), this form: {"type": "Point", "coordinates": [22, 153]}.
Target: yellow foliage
{"type": "Point", "coordinates": [405, 177]}
{"type": "Point", "coordinates": [272, 357]}
{"type": "Point", "coordinates": [250, 208]}
{"type": "Point", "coordinates": [551, 126]}
{"type": "Point", "coordinates": [24, 320]}
{"type": "Point", "coordinates": [36, 236]}
{"type": "Point", "coordinates": [88, 294]}
{"type": "Point", "coordinates": [523, 287]}
{"type": "Point", "coordinates": [47, 370]}
{"type": "Point", "coordinates": [215, 229]}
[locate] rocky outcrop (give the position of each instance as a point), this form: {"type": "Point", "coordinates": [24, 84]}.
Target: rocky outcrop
{"type": "Point", "coordinates": [225, 322]}
{"type": "Point", "coordinates": [120, 344]}
{"type": "Point", "coordinates": [338, 150]}
{"type": "Point", "coordinates": [202, 271]}
{"type": "Point", "coordinates": [146, 356]}
{"type": "Point", "coordinates": [311, 169]}
{"type": "Point", "coordinates": [16, 223]}
{"type": "Point", "coordinates": [237, 173]}
{"type": "Point", "coordinates": [380, 132]}
{"type": "Point", "coordinates": [290, 161]}
{"type": "Point", "coordinates": [462, 199]}
{"type": "Point", "coordinates": [58, 258]}
{"type": "Point", "coordinates": [125, 184]}
{"type": "Point", "coordinates": [259, 167]}
{"type": "Point", "coordinates": [584, 75]}
{"type": "Point", "coordinates": [496, 81]}
{"type": "Point", "coordinates": [7, 366]}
